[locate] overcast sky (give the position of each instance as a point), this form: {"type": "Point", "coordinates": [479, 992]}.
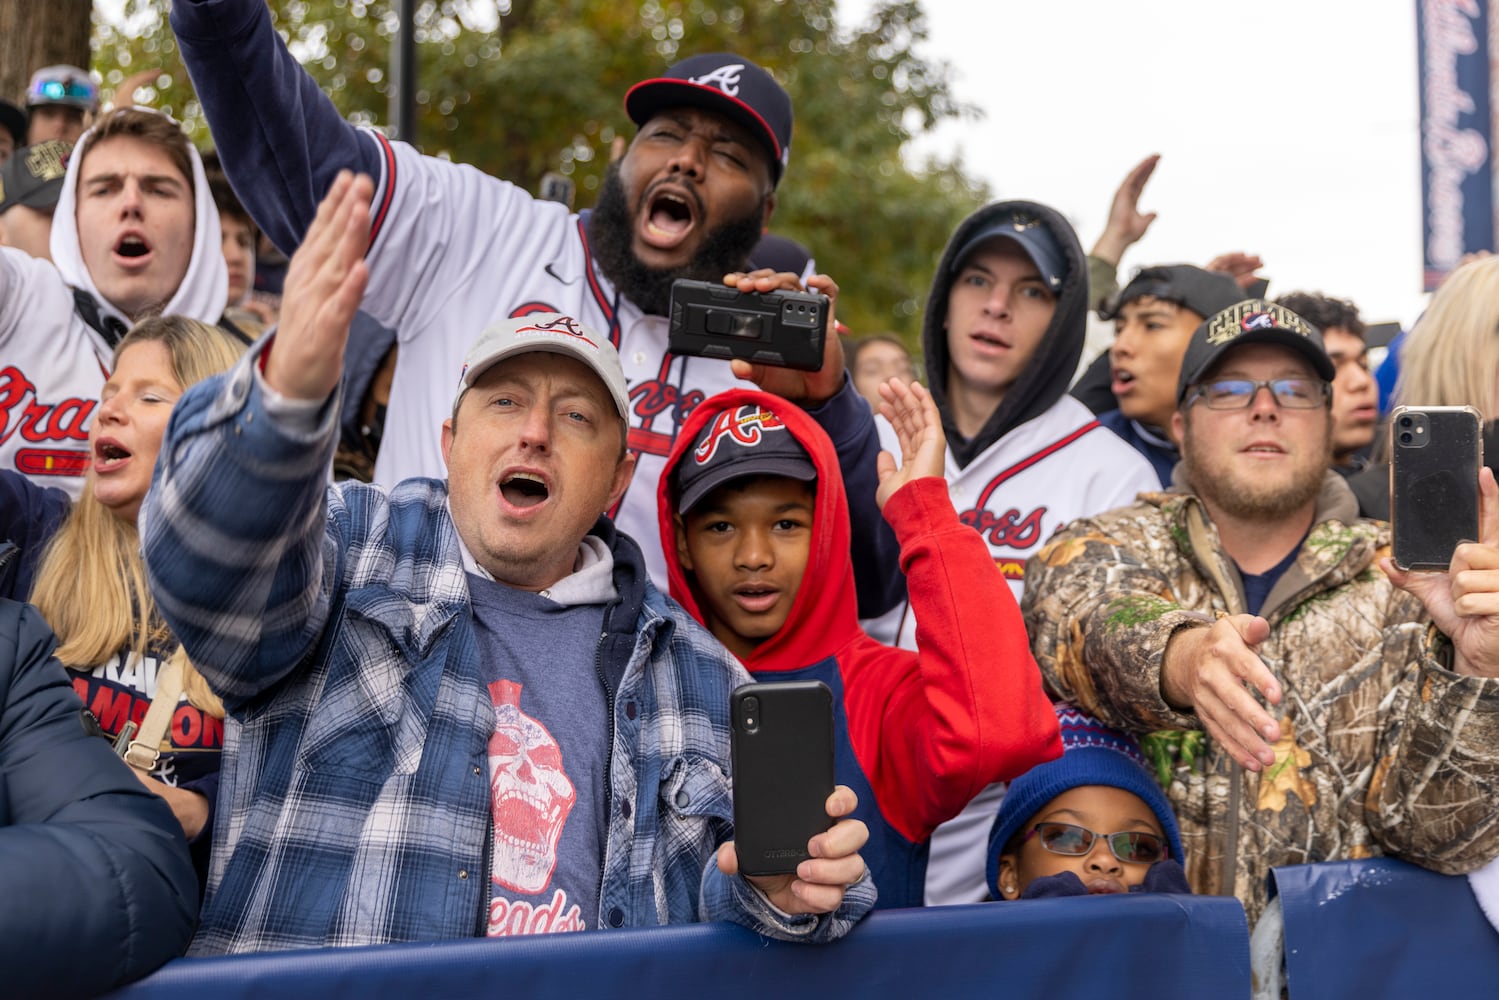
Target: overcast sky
{"type": "Point", "coordinates": [1286, 128]}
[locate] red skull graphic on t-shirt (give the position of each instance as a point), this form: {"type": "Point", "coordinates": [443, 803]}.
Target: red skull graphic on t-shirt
{"type": "Point", "coordinates": [530, 794]}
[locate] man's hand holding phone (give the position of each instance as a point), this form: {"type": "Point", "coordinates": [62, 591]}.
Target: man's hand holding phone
{"type": "Point", "coordinates": [1463, 601]}
{"type": "Point", "coordinates": [819, 882]}
{"type": "Point", "coordinates": [805, 389]}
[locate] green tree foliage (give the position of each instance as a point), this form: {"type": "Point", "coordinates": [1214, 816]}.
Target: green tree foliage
{"type": "Point", "coordinates": [525, 87]}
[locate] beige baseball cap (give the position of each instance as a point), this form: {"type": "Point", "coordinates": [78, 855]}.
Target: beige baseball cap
{"type": "Point", "coordinates": [551, 333]}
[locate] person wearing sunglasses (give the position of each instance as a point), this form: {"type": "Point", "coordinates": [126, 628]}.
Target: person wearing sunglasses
{"type": "Point", "coordinates": [1306, 706]}
{"type": "Point", "coordinates": [1091, 822]}
{"type": "Point", "coordinates": [60, 100]}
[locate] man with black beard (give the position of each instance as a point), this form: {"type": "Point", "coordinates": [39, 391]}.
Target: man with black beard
{"type": "Point", "coordinates": [724, 249]}
{"type": "Point", "coordinates": [1307, 706]}
{"type": "Point", "coordinates": [452, 249]}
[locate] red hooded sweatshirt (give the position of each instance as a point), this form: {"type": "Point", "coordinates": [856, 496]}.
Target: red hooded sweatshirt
{"type": "Point", "coordinates": [918, 734]}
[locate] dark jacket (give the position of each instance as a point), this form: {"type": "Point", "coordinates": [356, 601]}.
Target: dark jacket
{"type": "Point", "coordinates": [94, 872]}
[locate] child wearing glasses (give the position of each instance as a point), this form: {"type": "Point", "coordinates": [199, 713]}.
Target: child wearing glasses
{"type": "Point", "coordinates": [1093, 821]}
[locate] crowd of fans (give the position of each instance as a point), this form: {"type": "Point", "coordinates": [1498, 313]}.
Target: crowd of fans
{"type": "Point", "coordinates": [412, 575]}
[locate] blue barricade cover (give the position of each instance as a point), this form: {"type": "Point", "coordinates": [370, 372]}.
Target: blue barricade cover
{"type": "Point", "coordinates": [1148, 947]}
{"type": "Point", "coordinates": [1384, 928]}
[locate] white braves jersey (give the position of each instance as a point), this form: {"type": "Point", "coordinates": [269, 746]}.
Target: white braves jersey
{"type": "Point", "coordinates": [1045, 473]}
{"type": "Point", "coordinates": [454, 250]}
{"type": "Point", "coordinates": [52, 367]}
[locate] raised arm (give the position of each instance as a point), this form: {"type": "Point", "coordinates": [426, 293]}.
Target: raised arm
{"type": "Point", "coordinates": [233, 526]}
{"type": "Point", "coordinates": [971, 691]}
{"type": "Point", "coordinates": [1439, 763]}
{"type": "Point", "coordinates": [281, 140]}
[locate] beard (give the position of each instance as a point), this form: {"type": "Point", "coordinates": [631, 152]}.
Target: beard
{"type": "Point", "coordinates": [724, 249]}
{"type": "Point", "coordinates": [1246, 498]}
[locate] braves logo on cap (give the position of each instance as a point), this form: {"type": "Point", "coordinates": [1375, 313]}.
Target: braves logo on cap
{"type": "Point", "coordinates": [562, 324]}
{"type": "Point", "coordinates": [745, 426]}
{"type": "Point", "coordinates": [725, 78]}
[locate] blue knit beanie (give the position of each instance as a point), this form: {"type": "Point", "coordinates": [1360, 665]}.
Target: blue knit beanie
{"type": "Point", "coordinates": [1092, 754]}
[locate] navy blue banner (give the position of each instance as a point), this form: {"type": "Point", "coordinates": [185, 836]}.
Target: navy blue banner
{"type": "Point", "coordinates": [1457, 192]}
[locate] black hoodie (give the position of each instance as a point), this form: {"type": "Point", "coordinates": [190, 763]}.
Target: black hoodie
{"type": "Point", "coordinates": [1047, 376]}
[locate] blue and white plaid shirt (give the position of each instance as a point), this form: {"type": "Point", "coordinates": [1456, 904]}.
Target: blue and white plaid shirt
{"type": "Point", "coordinates": [335, 624]}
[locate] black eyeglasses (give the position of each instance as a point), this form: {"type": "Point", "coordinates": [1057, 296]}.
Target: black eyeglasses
{"type": "Point", "coordinates": [1075, 841]}
{"type": "Point", "coordinates": [1239, 393]}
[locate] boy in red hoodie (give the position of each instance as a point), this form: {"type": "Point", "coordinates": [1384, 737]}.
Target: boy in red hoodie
{"type": "Point", "coordinates": [755, 525]}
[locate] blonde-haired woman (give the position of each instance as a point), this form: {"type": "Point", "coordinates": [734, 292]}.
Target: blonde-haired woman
{"type": "Point", "coordinates": [90, 581]}
{"type": "Point", "coordinates": [1450, 358]}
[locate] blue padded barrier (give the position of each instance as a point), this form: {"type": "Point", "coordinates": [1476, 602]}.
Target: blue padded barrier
{"type": "Point", "coordinates": [1384, 928]}
{"type": "Point", "coordinates": [1147, 947]}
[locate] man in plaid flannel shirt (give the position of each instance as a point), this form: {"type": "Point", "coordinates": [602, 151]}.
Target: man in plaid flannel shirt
{"type": "Point", "coordinates": [409, 753]}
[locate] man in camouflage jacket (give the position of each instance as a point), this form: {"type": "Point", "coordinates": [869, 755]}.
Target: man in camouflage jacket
{"type": "Point", "coordinates": [1254, 575]}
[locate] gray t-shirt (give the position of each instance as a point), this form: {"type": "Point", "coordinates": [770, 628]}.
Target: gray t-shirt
{"type": "Point", "coordinates": [547, 758]}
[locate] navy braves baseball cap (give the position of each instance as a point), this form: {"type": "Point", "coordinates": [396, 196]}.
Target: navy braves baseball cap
{"type": "Point", "coordinates": [730, 85]}
{"type": "Point", "coordinates": [1032, 235]}
{"type": "Point", "coordinates": [1206, 293]}
{"type": "Point", "coordinates": [748, 440]}
{"type": "Point", "coordinates": [33, 176]}
{"type": "Point", "coordinates": [1253, 321]}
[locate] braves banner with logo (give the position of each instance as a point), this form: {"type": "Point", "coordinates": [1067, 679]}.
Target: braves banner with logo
{"type": "Point", "coordinates": [1457, 193]}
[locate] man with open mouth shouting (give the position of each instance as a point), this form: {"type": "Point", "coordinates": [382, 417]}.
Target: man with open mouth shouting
{"type": "Point", "coordinates": [135, 234]}
{"type": "Point", "coordinates": [463, 708]}
{"type": "Point", "coordinates": [453, 250]}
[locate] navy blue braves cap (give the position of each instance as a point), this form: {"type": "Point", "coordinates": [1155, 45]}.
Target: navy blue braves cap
{"type": "Point", "coordinates": [1032, 235]}
{"type": "Point", "coordinates": [730, 85]}
{"type": "Point", "coordinates": [746, 441]}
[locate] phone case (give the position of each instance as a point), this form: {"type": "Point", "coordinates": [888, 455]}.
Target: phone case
{"type": "Point", "coordinates": [784, 329]}
{"type": "Point", "coordinates": [1436, 454]}
{"type": "Point", "coordinates": [782, 750]}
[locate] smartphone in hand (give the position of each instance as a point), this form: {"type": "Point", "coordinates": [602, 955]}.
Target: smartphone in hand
{"type": "Point", "coordinates": [785, 329]}
{"type": "Point", "coordinates": [782, 758]}
{"type": "Point", "coordinates": [1436, 452]}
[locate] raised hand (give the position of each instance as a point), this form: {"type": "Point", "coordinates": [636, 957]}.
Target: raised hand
{"type": "Point", "coordinates": [918, 426]}
{"type": "Point", "coordinates": [1464, 601]}
{"type": "Point", "coordinates": [324, 285]}
{"type": "Point", "coordinates": [1127, 224]}
{"type": "Point", "coordinates": [806, 389]}
{"type": "Point", "coordinates": [820, 881]}
{"type": "Point", "coordinates": [1207, 670]}
{"type": "Point", "coordinates": [1238, 265]}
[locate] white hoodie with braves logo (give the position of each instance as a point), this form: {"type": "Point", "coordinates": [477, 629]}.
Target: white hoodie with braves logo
{"type": "Point", "coordinates": [52, 363]}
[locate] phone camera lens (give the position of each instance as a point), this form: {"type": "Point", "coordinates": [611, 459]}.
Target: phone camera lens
{"type": "Point", "coordinates": [1406, 437]}
{"type": "Point", "coordinates": [752, 705]}
{"type": "Point", "coordinates": [1405, 421]}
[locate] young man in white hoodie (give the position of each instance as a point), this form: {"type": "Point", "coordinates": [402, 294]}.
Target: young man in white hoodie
{"type": "Point", "coordinates": [135, 234]}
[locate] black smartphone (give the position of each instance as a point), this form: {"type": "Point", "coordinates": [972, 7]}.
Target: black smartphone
{"type": "Point", "coordinates": [712, 320]}
{"type": "Point", "coordinates": [782, 757]}
{"type": "Point", "coordinates": [1436, 452]}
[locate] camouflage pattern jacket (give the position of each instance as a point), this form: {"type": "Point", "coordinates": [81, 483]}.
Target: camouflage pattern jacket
{"type": "Point", "coordinates": [1383, 749]}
